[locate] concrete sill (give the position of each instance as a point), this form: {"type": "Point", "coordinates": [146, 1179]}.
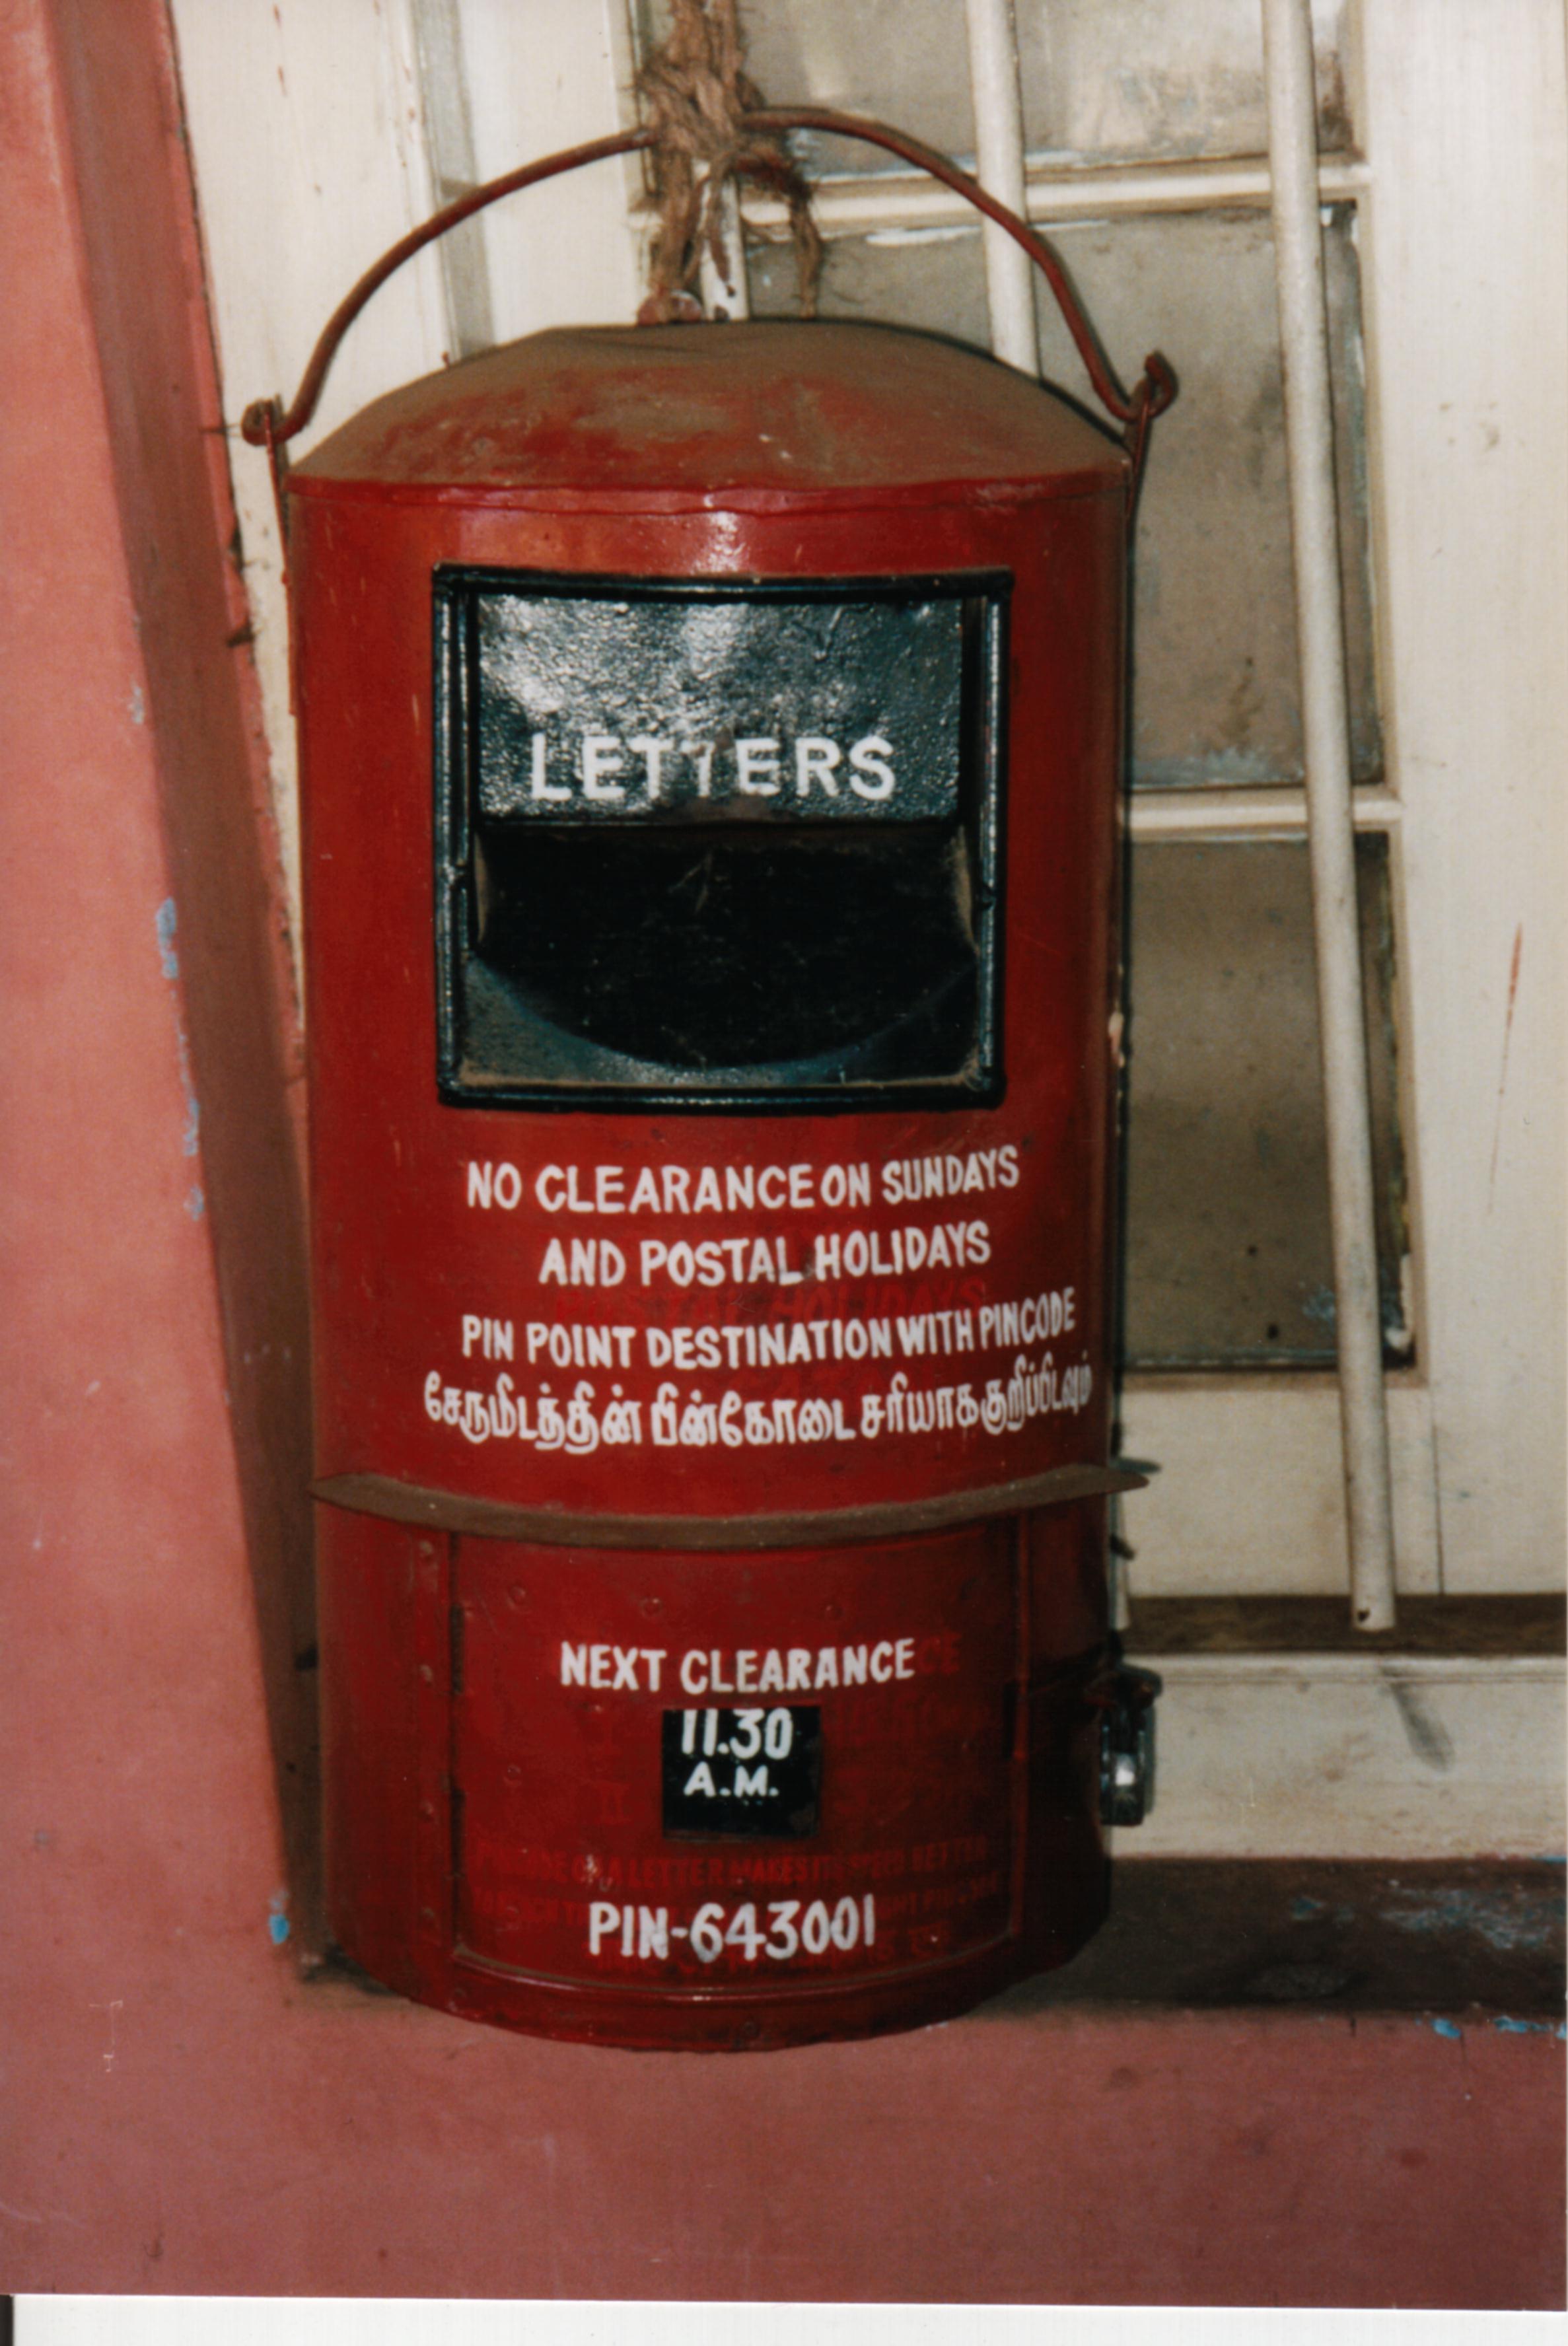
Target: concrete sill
{"type": "Point", "coordinates": [1283, 1733]}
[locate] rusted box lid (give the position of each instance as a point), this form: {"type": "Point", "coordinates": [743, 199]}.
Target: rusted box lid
{"type": "Point", "coordinates": [753, 415]}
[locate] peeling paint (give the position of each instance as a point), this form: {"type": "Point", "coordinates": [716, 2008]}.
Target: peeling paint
{"type": "Point", "coordinates": [1505, 1922]}
{"type": "Point", "coordinates": [166, 920]}
{"type": "Point", "coordinates": [196, 1204]}
{"type": "Point", "coordinates": [1448, 2028]}
{"type": "Point", "coordinates": [1312, 1910]}
{"type": "Point", "coordinates": [191, 1139]}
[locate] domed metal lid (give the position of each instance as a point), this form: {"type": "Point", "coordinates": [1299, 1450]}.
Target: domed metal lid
{"type": "Point", "coordinates": [749, 416]}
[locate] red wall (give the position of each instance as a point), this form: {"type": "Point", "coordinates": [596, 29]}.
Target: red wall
{"type": "Point", "coordinates": [192, 2114]}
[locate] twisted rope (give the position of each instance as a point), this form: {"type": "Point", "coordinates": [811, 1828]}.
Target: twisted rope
{"type": "Point", "coordinates": [697, 93]}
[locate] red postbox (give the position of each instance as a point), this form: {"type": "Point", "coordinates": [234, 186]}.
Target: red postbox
{"type": "Point", "coordinates": [710, 739]}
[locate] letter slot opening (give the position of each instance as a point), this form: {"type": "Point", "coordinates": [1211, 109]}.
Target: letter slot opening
{"type": "Point", "coordinates": [728, 844]}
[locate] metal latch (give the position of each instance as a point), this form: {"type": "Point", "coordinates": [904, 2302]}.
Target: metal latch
{"type": "Point", "coordinates": [1127, 1746]}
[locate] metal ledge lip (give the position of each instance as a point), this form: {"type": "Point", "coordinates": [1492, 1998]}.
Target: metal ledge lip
{"type": "Point", "coordinates": [451, 1511]}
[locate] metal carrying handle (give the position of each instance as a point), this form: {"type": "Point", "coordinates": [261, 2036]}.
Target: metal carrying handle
{"type": "Point", "coordinates": [266, 423]}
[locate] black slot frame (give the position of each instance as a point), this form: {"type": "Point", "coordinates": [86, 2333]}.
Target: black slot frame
{"type": "Point", "coordinates": [457, 590]}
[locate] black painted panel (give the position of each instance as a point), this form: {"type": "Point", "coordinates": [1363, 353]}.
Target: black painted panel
{"type": "Point", "coordinates": [642, 710]}
{"type": "Point", "coordinates": [719, 845]}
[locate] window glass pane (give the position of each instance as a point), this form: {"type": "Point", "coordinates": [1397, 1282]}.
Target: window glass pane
{"type": "Point", "coordinates": [1132, 80]}
{"type": "Point", "coordinates": [1215, 692]}
{"type": "Point", "coordinates": [1104, 80]}
{"type": "Point", "coordinates": [1227, 1252]}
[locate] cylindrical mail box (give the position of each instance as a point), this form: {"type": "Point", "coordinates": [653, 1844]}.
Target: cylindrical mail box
{"type": "Point", "coordinates": [710, 745]}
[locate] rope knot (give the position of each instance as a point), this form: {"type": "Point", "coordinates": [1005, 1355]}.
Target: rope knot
{"type": "Point", "coordinates": [698, 96]}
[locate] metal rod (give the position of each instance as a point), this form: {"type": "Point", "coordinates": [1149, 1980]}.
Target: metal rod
{"type": "Point", "coordinates": [1273, 810]}
{"type": "Point", "coordinates": [998, 168]}
{"type": "Point", "coordinates": [1150, 396]}
{"type": "Point", "coordinates": [449, 140]}
{"type": "Point", "coordinates": [1310, 449]}
{"type": "Point", "coordinates": [883, 201]}
{"type": "Point", "coordinates": [266, 424]}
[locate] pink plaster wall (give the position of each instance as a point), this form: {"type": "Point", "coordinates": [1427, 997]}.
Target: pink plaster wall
{"type": "Point", "coordinates": [186, 2113]}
